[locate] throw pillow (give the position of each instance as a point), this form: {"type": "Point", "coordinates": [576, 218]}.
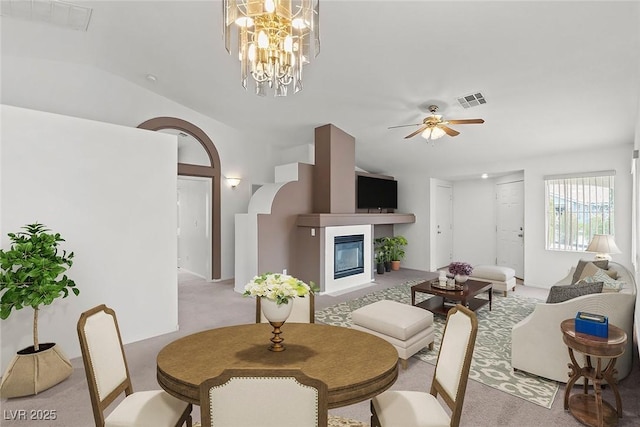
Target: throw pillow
{"type": "Point", "coordinates": [600, 263]}
{"type": "Point", "coordinates": [559, 293]}
{"type": "Point", "coordinates": [589, 270]}
{"type": "Point", "coordinates": [609, 284]}
{"type": "Point", "coordinates": [613, 273]}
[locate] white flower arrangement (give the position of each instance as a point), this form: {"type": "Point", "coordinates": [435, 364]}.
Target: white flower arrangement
{"type": "Point", "coordinates": [277, 287]}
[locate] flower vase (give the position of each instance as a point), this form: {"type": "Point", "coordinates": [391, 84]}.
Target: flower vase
{"type": "Point", "coordinates": [461, 278]}
{"type": "Point", "coordinates": [276, 314]}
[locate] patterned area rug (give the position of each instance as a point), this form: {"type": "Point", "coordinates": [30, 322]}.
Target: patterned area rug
{"type": "Point", "coordinates": [334, 421]}
{"type": "Point", "coordinates": [491, 363]}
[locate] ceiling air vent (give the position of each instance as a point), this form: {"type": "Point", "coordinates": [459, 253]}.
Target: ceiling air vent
{"type": "Point", "coordinates": [59, 13]}
{"type": "Point", "coordinates": [472, 100]}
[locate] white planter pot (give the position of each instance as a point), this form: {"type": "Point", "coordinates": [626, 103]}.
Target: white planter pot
{"type": "Point", "coordinates": [461, 278]}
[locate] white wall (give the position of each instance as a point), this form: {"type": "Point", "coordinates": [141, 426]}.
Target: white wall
{"type": "Point", "coordinates": [474, 221]}
{"type": "Point", "coordinates": [414, 193]}
{"type": "Point", "coordinates": [543, 268]}
{"type": "Point", "coordinates": [110, 192]}
{"type": "Point", "coordinates": [87, 92]}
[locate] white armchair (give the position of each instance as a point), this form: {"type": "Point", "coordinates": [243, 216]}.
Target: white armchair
{"type": "Point", "coordinates": [536, 341]}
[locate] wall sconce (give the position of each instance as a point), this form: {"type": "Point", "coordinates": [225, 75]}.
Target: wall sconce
{"type": "Point", "coordinates": [233, 182]}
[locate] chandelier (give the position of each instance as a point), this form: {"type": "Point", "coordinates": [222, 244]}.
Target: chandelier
{"type": "Point", "coordinates": [274, 40]}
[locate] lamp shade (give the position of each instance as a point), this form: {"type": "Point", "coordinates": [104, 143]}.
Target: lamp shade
{"type": "Point", "coordinates": [603, 245]}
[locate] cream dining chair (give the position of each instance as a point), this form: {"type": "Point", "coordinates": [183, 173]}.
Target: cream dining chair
{"type": "Point", "coordinates": [303, 310]}
{"type": "Point", "coordinates": [263, 398]}
{"type": "Point", "coordinates": [108, 377]}
{"type": "Point", "coordinates": [420, 409]}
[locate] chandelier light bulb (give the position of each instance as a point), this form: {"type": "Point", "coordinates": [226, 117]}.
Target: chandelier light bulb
{"type": "Point", "coordinates": [288, 44]}
{"type": "Point", "coordinates": [298, 24]}
{"type": "Point", "coordinates": [269, 6]}
{"type": "Point", "coordinates": [263, 40]}
{"type": "Point", "coordinates": [252, 52]}
{"type": "Point", "coordinates": [244, 21]}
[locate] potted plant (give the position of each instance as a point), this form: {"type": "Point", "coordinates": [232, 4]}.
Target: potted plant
{"type": "Point", "coordinates": [460, 270]}
{"type": "Point", "coordinates": [382, 248]}
{"type": "Point", "coordinates": [396, 251]}
{"type": "Point", "coordinates": [379, 258]}
{"type": "Point", "coordinates": [30, 277]}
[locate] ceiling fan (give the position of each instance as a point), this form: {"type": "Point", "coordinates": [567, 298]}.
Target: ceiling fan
{"type": "Point", "coordinates": [434, 127]}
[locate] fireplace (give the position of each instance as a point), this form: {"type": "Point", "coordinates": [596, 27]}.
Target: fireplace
{"type": "Point", "coordinates": [348, 258]}
{"type": "Point", "coordinates": [348, 255]}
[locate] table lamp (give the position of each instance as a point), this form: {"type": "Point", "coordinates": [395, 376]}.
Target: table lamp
{"type": "Point", "coordinates": [603, 245]}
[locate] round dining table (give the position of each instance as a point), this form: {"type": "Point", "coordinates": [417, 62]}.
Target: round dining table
{"type": "Point", "coordinates": [355, 365]}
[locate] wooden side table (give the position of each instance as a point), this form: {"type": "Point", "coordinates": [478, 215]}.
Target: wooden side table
{"type": "Point", "coordinates": [588, 408]}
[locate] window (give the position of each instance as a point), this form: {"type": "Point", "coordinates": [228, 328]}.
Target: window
{"type": "Point", "coordinates": [577, 207]}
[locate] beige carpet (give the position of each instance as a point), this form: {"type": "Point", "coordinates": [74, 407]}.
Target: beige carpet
{"type": "Point", "coordinates": [333, 422]}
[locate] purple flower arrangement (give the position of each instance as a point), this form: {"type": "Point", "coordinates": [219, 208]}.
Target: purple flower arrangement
{"type": "Point", "coordinates": [461, 268]}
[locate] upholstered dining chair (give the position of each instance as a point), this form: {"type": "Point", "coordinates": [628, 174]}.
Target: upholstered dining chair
{"type": "Point", "coordinates": [263, 397]}
{"type": "Point", "coordinates": [420, 409]}
{"type": "Point", "coordinates": [108, 377]}
{"type": "Point", "coordinates": [303, 310]}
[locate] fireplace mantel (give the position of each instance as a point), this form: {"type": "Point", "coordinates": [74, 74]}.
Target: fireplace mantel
{"type": "Point", "coordinates": [331, 220]}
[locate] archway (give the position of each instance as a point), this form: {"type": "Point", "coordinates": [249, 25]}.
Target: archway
{"type": "Point", "coordinates": [212, 172]}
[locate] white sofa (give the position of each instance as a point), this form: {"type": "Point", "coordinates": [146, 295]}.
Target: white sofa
{"type": "Point", "coordinates": [537, 345]}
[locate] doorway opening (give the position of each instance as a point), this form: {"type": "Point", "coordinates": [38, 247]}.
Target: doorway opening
{"type": "Point", "coordinates": [190, 168]}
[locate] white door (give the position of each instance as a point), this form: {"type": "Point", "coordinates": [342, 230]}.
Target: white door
{"type": "Point", "coordinates": [194, 217]}
{"type": "Point", "coordinates": [510, 226]}
{"type": "Point", "coordinates": [444, 227]}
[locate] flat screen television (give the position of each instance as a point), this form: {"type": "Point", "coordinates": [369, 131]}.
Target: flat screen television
{"type": "Point", "coordinates": [376, 193]}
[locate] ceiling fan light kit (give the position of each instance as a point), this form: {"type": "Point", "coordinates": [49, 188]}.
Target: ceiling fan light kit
{"type": "Point", "coordinates": [432, 133]}
{"type": "Point", "coordinates": [434, 127]}
{"type": "Point", "coordinates": [275, 39]}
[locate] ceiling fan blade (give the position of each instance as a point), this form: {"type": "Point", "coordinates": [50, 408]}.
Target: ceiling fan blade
{"type": "Point", "coordinates": [411, 135]}
{"type": "Point", "coordinates": [404, 126]}
{"type": "Point", "coordinates": [449, 131]}
{"type": "Point", "coordinates": [465, 121]}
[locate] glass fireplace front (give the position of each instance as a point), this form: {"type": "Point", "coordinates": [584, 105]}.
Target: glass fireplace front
{"type": "Point", "coordinates": [348, 255]}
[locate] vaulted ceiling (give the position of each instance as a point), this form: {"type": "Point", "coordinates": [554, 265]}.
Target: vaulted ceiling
{"type": "Point", "coordinates": [557, 76]}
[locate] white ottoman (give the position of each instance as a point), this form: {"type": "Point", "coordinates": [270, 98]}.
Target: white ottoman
{"type": "Point", "coordinates": [503, 278]}
{"type": "Point", "coordinates": [409, 329]}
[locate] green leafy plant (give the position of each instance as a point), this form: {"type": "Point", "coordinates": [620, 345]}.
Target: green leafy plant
{"type": "Point", "coordinates": [30, 273]}
{"type": "Point", "coordinates": [396, 247]}
{"type": "Point", "coordinates": [381, 245]}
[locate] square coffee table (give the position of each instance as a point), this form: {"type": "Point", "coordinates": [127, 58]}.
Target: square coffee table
{"type": "Point", "coordinates": [445, 299]}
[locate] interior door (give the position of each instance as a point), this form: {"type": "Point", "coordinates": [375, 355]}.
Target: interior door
{"type": "Point", "coordinates": [194, 236]}
{"type": "Point", "coordinates": [444, 225]}
{"type": "Point", "coordinates": [510, 226]}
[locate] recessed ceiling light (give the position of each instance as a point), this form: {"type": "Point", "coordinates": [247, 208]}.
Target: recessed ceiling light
{"type": "Point", "coordinates": [484, 176]}
{"type": "Point", "coordinates": [151, 78]}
